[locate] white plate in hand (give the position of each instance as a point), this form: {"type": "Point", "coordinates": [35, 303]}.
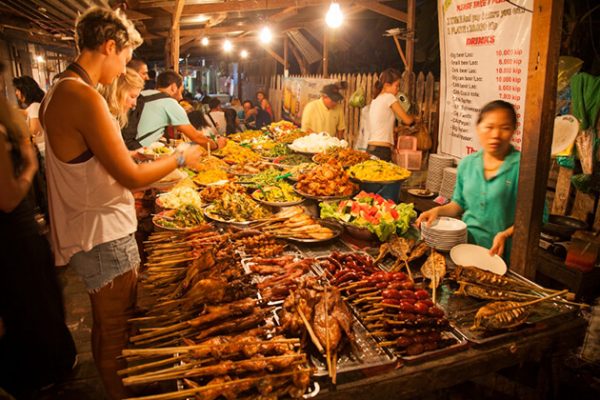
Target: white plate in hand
{"type": "Point", "coordinates": [471, 255]}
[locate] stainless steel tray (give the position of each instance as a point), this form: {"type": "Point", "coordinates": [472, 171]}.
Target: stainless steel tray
{"type": "Point", "coordinates": [461, 311]}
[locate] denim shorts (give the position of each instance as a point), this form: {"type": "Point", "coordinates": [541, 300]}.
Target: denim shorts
{"type": "Point", "coordinates": [103, 263]}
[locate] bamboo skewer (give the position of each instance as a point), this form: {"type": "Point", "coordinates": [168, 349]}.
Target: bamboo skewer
{"type": "Point", "coordinates": [175, 373]}
{"type": "Point", "coordinates": [310, 331]}
{"type": "Point", "coordinates": [150, 365]}
{"type": "Point", "coordinates": [181, 349]}
{"type": "Point", "coordinates": [529, 303]}
{"type": "Point", "coordinates": [190, 392]}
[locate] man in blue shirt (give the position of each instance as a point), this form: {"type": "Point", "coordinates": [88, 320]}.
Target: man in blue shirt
{"type": "Point", "coordinates": [160, 111]}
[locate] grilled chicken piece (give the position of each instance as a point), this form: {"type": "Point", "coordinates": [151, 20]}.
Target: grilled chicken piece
{"type": "Point", "coordinates": [500, 315]}
{"type": "Point", "coordinates": [325, 325]}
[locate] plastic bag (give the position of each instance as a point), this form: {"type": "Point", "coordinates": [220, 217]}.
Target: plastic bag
{"type": "Point", "coordinates": [357, 99]}
{"type": "Point", "coordinates": [567, 67]}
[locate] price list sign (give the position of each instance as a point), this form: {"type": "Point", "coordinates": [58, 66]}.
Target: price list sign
{"type": "Point", "coordinates": [484, 47]}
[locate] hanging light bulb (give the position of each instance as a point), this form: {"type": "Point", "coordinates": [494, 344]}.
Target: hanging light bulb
{"type": "Point", "coordinates": [334, 16]}
{"type": "Point", "coordinates": [266, 35]}
{"type": "Point", "coordinates": [204, 41]}
{"type": "Point", "coordinates": [244, 54]}
{"type": "Point", "coordinates": [227, 46]}
{"type": "Point", "coordinates": [40, 59]}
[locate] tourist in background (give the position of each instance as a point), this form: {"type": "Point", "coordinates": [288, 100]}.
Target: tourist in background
{"type": "Point", "coordinates": [30, 95]}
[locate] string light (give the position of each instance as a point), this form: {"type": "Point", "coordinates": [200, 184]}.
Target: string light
{"type": "Point", "coordinates": [244, 54]}
{"type": "Point", "coordinates": [266, 35]}
{"type": "Point", "coordinates": [40, 59]}
{"type": "Point", "coordinates": [227, 46]}
{"type": "Point", "coordinates": [204, 41]}
{"type": "Point", "coordinates": [334, 16]}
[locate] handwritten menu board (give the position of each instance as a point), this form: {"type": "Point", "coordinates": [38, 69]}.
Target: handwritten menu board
{"type": "Point", "coordinates": [484, 49]}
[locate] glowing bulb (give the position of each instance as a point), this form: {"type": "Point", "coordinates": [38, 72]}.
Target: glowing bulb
{"type": "Point", "coordinates": [40, 59]}
{"type": "Point", "coordinates": [266, 35]}
{"type": "Point", "coordinates": [204, 41]}
{"type": "Point", "coordinates": [244, 54]}
{"type": "Point", "coordinates": [334, 16]}
{"type": "Point", "coordinates": [227, 46]}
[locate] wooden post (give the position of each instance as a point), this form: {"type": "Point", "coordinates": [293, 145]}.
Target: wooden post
{"type": "Point", "coordinates": [325, 55]}
{"type": "Point", "coordinates": [410, 39]}
{"type": "Point", "coordinates": [175, 34]}
{"type": "Point", "coordinates": [538, 125]}
{"type": "Point", "coordinates": [286, 66]}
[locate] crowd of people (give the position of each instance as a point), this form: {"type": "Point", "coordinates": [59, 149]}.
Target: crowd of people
{"type": "Point", "coordinates": [101, 109]}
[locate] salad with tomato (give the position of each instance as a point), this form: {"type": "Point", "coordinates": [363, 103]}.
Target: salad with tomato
{"type": "Point", "coordinates": [371, 211]}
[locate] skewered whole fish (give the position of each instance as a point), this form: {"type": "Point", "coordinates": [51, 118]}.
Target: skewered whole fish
{"type": "Point", "coordinates": [488, 293]}
{"type": "Point", "coordinates": [434, 268]}
{"type": "Point", "coordinates": [479, 276]}
{"type": "Point", "coordinates": [500, 315]}
{"type": "Point", "coordinates": [507, 314]}
{"type": "Point", "coordinates": [417, 251]}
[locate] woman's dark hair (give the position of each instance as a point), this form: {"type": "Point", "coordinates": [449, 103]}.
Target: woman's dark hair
{"type": "Point", "coordinates": [261, 92]}
{"type": "Point", "coordinates": [29, 88]}
{"type": "Point", "coordinates": [499, 105]}
{"type": "Point", "coordinates": [167, 78]}
{"type": "Point", "coordinates": [214, 103]}
{"type": "Point", "coordinates": [248, 101]}
{"type": "Point", "coordinates": [197, 119]}
{"type": "Point", "coordinates": [390, 75]}
{"type": "Point", "coordinates": [230, 116]}
{"type": "Point", "coordinates": [98, 25]}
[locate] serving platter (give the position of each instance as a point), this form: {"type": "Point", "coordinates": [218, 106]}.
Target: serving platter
{"type": "Point", "coordinates": [323, 198]}
{"type": "Point", "coordinates": [334, 226]}
{"type": "Point", "coordinates": [209, 213]}
{"type": "Point", "coordinates": [276, 204]}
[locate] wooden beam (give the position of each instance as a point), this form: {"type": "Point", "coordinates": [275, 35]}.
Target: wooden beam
{"type": "Point", "coordinates": [286, 65]}
{"type": "Point", "coordinates": [274, 55]}
{"type": "Point", "coordinates": [261, 5]}
{"type": "Point", "coordinates": [325, 53]}
{"type": "Point", "coordinates": [388, 11]}
{"type": "Point", "coordinates": [176, 17]}
{"type": "Point", "coordinates": [218, 30]}
{"type": "Point", "coordinates": [301, 61]}
{"type": "Point", "coordinates": [410, 38]}
{"type": "Point", "coordinates": [399, 47]}
{"type": "Point", "coordinates": [538, 125]}
{"type": "Point", "coordinates": [284, 14]}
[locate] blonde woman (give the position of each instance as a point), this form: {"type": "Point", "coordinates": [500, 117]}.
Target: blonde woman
{"type": "Point", "coordinates": [121, 96]}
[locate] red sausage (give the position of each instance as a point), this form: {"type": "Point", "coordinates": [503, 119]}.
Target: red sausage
{"type": "Point", "coordinates": [435, 312]}
{"type": "Point", "coordinates": [407, 294]}
{"type": "Point", "coordinates": [421, 294]}
{"type": "Point", "coordinates": [393, 302]}
{"type": "Point", "coordinates": [390, 294]}
{"type": "Point", "coordinates": [421, 308]}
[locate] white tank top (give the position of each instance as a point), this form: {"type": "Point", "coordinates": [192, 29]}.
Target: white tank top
{"type": "Point", "coordinates": [87, 205]}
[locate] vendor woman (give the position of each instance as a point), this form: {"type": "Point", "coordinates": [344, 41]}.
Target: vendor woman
{"type": "Point", "coordinates": [486, 183]}
{"type": "Point", "coordinates": [384, 110]}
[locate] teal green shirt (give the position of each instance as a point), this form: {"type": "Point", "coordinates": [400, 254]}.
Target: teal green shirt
{"type": "Point", "coordinates": [157, 115]}
{"type": "Point", "coordinates": [488, 204]}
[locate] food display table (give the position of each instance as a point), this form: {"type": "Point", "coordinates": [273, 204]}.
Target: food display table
{"type": "Point", "coordinates": [248, 299]}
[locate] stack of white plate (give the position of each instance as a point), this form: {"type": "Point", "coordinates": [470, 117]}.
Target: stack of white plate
{"type": "Point", "coordinates": [444, 233]}
{"type": "Point", "coordinates": [448, 182]}
{"type": "Point", "coordinates": [435, 171]}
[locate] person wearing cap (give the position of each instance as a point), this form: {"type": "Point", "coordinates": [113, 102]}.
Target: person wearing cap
{"type": "Point", "coordinates": [326, 113]}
